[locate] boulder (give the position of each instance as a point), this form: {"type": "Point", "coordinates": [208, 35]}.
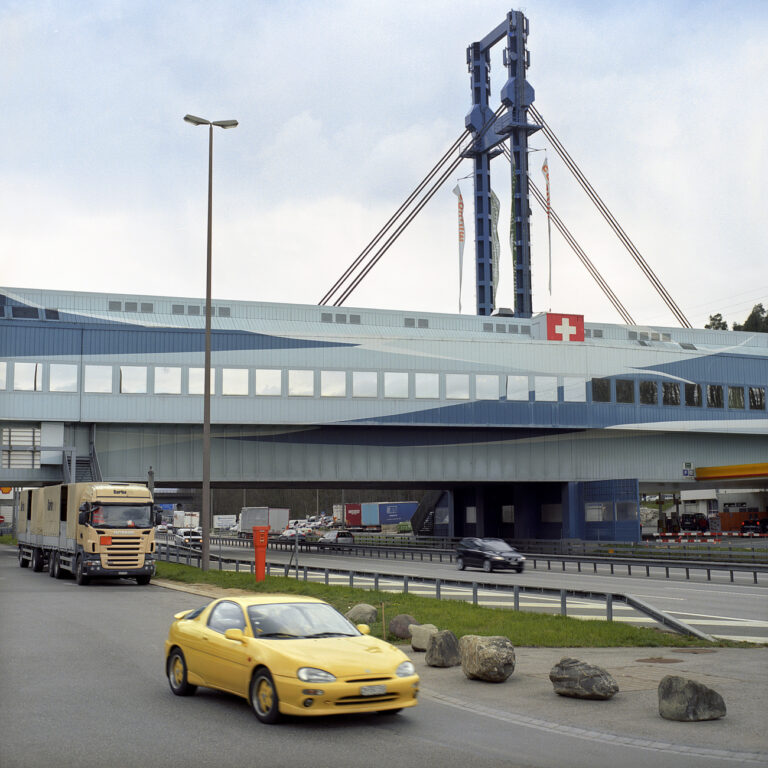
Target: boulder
{"type": "Point", "coordinates": [571, 677]}
{"type": "Point", "coordinates": [442, 650]}
{"type": "Point", "coordinates": [688, 700]}
{"type": "Point", "coordinates": [420, 634]}
{"type": "Point", "coordinates": [362, 613]}
{"type": "Point", "coordinates": [490, 658]}
{"type": "Point", "coordinates": [399, 626]}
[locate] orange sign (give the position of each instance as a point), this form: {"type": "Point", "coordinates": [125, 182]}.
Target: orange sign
{"type": "Point", "coordinates": [6, 489]}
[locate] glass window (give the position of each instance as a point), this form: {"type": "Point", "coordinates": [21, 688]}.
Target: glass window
{"type": "Point", "coordinates": [626, 510]}
{"type": "Point", "coordinates": [517, 388]}
{"type": "Point", "coordinates": [486, 387]}
{"type": "Point", "coordinates": [226, 616]}
{"type": "Point", "coordinates": [28, 377]}
{"type": "Point", "coordinates": [301, 383]}
{"type": "Point", "coordinates": [693, 395]}
{"type": "Point", "coordinates": [545, 388]}
{"type": "Point", "coordinates": [471, 515]}
{"type": "Point", "coordinates": [714, 396]}
{"type": "Point", "coordinates": [133, 379]}
{"type": "Point", "coordinates": [63, 377]}
{"type": "Point", "coordinates": [333, 384]}
{"type": "Point", "coordinates": [736, 397]}
{"type": "Point", "coordinates": [269, 381]}
{"type": "Point", "coordinates": [625, 391]}
{"type": "Point", "coordinates": [395, 384]}
{"type": "Point", "coordinates": [167, 380]}
{"type": "Point", "coordinates": [3, 367]}
{"type": "Point", "coordinates": [234, 381]}
{"type": "Point", "coordinates": [670, 393]}
{"type": "Point", "coordinates": [598, 512]}
{"type": "Point", "coordinates": [365, 384]}
{"type": "Point", "coordinates": [457, 386]}
{"type": "Point", "coordinates": [508, 513]}
{"type": "Point", "coordinates": [427, 385]}
{"type": "Point", "coordinates": [601, 390]}
{"type": "Point", "coordinates": [197, 381]}
{"type": "Point", "coordinates": [574, 389]}
{"type": "Point", "coordinates": [649, 393]}
{"type": "Point", "coordinates": [756, 395]}
{"type": "Point", "coordinates": [98, 378]}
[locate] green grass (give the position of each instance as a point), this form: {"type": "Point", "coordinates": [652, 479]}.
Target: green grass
{"type": "Point", "coordinates": [8, 538]}
{"type": "Point", "coordinates": [523, 628]}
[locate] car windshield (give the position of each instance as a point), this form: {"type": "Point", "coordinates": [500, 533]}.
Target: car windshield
{"type": "Point", "coordinates": [497, 545]}
{"type": "Point", "coordinates": [291, 620]}
{"type": "Point", "coordinates": [122, 516]}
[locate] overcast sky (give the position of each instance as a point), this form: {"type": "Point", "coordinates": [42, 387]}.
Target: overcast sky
{"type": "Point", "coordinates": [344, 106]}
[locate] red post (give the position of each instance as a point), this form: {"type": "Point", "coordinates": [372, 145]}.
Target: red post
{"type": "Point", "coordinates": [260, 538]}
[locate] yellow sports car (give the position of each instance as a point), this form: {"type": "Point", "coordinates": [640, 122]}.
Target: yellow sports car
{"type": "Point", "coordinates": [288, 655]}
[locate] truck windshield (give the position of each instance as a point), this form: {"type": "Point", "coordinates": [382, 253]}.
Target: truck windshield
{"type": "Point", "coordinates": [122, 516]}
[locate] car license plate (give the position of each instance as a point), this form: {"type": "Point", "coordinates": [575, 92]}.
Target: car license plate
{"type": "Point", "coordinates": [373, 690]}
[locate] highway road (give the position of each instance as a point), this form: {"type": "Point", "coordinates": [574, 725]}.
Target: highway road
{"type": "Point", "coordinates": [83, 685]}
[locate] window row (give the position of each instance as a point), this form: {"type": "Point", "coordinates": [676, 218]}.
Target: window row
{"type": "Point", "coordinates": [276, 382]}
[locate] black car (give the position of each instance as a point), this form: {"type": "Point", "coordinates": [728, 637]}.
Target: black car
{"type": "Point", "coordinates": [336, 540]}
{"type": "Point", "coordinates": [755, 526]}
{"type": "Point", "coordinates": [488, 554]}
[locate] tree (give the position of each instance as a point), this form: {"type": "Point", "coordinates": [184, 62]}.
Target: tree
{"type": "Point", "coordinates": [716, 323]}
{"type": "Point", "coordinates": [756, 322]}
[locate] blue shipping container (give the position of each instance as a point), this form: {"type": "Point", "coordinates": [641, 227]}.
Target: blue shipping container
{"type": "Point", "coordinates": [396, 511]}
{"type": "Point", "coordinates": [370, 513]}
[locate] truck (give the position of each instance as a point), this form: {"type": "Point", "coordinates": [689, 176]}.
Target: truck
{"type": "Point", "coordinates": [88, 530]}
{"type": "Point", "coordinates": [275, 517]}
{"type": "Point", "coordinates": [373, 515]}
{"type": "Point", "coordinates": [182, 519]}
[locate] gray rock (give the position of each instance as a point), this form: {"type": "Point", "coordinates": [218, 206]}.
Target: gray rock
{"type": "Point", "coordinates": [489, 658]}
{"type": "Point", "coordinates": [443, 650]}
{"type": "Point", "coordinates": [362, 613]}
{"type": "Point", "coordinates": [571, 677]}
{"type": "Point", "coordinates": [399, 626]}
{"type": "Point", "coordinates": [688, 700]}
{"type": "Point", "coordinates": [420, 634]}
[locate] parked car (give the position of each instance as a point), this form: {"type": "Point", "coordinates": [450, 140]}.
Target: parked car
{"type": "Point", "coordinates": [189, 537]}
{"type": "Point", "coordinates": [287, 655]}
{"type": "Point", "coordinates": [488, 554]}
{"type": "Point", "coordinates": [336, 540]}
{"type": "Point", "coordinates": [291, 535]}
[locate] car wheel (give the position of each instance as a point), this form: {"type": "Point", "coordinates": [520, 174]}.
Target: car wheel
{"type": "Point", "coordinates": [37, 560]}
{"type": "Point", "coordinates": [460, 564]}
{"type": "Point", "coordinates": [264, 697]}
{"type": "Point", "coordinates": [520, 568]}
{"type": "Point", "coordinates": [80, 576]}
{"type": "Point", "coordinates": [177, 674]}
{"type": "Point", "coordinates": [142, 580]}
{"type": "Point", "coordinates": [487, 566]}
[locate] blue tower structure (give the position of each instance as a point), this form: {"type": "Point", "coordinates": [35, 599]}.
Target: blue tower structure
{"type": "Point", "coordinates": [488, 132]}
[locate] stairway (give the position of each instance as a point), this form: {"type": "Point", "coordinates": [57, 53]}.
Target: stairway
{"type": "Point", "coordinates": [423, 520]}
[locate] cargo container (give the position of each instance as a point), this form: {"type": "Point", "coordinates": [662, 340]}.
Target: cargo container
{"type": "Point", "coordinates": [370, 514]}
{"type": "Point", "coordinates": [275, 517]}
{"type": "Point", "coordinates": [352, 516]}
{"type": "Point", "coordinates": [394, 512]}
{"type": "Point", "coordinates": [183, 519]}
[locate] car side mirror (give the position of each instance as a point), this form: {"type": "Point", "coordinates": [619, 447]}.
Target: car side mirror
{"type": "Point", "coordinates": [235, 634]}
{"type": "Point", "coordinates": [363, 629]}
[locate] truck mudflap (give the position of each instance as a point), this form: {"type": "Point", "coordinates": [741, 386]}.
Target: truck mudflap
{"type": "Point", "coordinates": [92, 567]}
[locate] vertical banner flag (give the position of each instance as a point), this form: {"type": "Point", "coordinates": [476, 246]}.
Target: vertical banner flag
{"type": "Point", "coordinates": [495, 247]}
{"type": "Point", "coordinates": [545, 171]}
{"type": "Point", "coordinates": [457, 192]}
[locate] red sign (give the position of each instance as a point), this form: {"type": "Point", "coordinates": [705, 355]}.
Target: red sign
{"type": "Point", "coordinates": [565, 327]}
{"type": "Point", "coordinates": [2, 519]}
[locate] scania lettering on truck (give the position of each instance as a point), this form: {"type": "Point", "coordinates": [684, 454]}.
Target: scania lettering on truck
{"type": "Point", "coordinates": [102, 530]}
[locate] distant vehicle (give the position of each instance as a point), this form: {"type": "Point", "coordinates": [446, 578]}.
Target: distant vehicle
{"type": "Point", "coordinates": [189, 537]}
{"type": "Point", "coordinates": [183, 519]}
{"type": "Point", "coordinates": [336, 540]}
{"type": "Point", "coordinates": [755, 526]}
{"type": "Point", "coordinates": [274, 517]}
{"type": "Point", "coordinates": [291, 534]}
{"type": "Point", "coordinates": [488, 554]}
{"type": "Point", "coordinates": [162, 528]}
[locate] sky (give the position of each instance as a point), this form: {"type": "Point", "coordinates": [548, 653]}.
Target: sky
{"type": "Point", "coordinates": [343, 107]}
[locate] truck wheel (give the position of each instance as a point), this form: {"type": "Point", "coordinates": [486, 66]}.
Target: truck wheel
{"type": "Point", "coordinates": [177, 674]}
{"type": "Point", "coordinates": [37, 560]}
{"type": "Point", "coordinates": [60, 573]}
{"type": "Point", "coordinates": [264, 697]}
{"type": "Point", "coordinates": [52, 565]}
{"type": "Point", "coordinates": [80, 576]}
{"type": "Point", "coordinates": [142, 580]}
{"type": "Point", "coordinates": [23, 562]}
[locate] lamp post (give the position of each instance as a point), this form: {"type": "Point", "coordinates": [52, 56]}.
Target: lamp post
{"type": "Point", "coordinates": [205, 512]}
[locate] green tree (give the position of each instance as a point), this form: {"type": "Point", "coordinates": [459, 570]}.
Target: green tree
{"type": "Point", "coordinates": [716, 323]}
{"type": "Point", "coordinates": [756, 322]}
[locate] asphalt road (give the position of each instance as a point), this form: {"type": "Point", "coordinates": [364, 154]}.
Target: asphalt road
{"type": "Point", "coordinates": [82, 684]}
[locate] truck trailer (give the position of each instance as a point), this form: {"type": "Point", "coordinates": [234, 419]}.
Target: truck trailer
{"type": "Point", "coordinates": [103, 530]}
{"type": "Point", "coordinates": [183, 519]}
{"type": "Point", "coordinates": [275, 517]}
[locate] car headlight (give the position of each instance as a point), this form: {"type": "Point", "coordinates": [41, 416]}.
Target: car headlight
{"type": "Point", "coordinates": [497, 557]}
{"type": "Point", "coordinates": [521, 559]}
{"type": "Point", "coordinates": [406, 669]}
{"type": "Point", "coordinates": [313, 675]}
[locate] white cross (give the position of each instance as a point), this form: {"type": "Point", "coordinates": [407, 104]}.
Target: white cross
{"type": "Point", "coordinates": [565, 329]}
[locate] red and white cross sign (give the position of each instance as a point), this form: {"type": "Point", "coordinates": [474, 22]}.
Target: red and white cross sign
{"type": "Point", "coordinates": [565, 327]}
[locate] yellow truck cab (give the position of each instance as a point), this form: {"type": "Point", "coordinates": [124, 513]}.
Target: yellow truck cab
{"type": "Point", "coordinates": [104, 530]}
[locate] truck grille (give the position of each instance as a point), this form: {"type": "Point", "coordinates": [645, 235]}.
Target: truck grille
{"type": "Point", "coordinates": [123, 552]}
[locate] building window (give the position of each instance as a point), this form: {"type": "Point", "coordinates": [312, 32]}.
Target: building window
{"type": "Point", "coordinates": [649, 393]}
{"type": "Point", "coordinates": [598, 512]}
{"type": "Point", "coordinates": [28, 377]}
{"type": "Point", "coordinates": [487, 327]}
{"type": "Point", "coordinates": [427, 385]}
{"type": "Point", "coordinates": [333, 384]}
{"type": "Point", "coordinates": [326, 317]}
{"type": "Point", "coordinates": [517, 388]}
{"type": "Point", "coordinates": [395, 384]}
{"type": "Point", "coordinates": [545, 388]}
{"type": "Point", "coordinates": [115, 306]}
{"type": "Point", "coordinates": [409, 322]}
{"type": "Point", "coordinates": [693, 395]}
{"type": "Point", "coordinates": [131, 306]}
{"type": "Point", "coordinates": [736, 397]}
{"type": "Point", "coordinates": [574, 389]}
{"type": "Point", "coordinates": [63, 377]}
{"type": "Point", "coordinates": [471, 515]}
{"type": "Point", "coordinates": [457, 386]}
{"type": "Point", "coordinates": [626, 510]}
{"type": "Point", "coordinates": [167, 380]}
{"type": "Point", "coordinates": [133, 379]}
{"type": "Point", "coordinates": [234, 381]}
{"type": "Point", "coordinates": [508, 513]}
{"type": "Point", "coordinates": [25, 313]}
{"type": "Point", "coordinates": [177, 309]}
{"type": "Point", "coordinates": [341, 319]}
{"type": "Point", "coordinates": [715, 396]}
{"type": "Point", "coordinates": [301, 383]}
{"type": "Point", "coordinates": [197, 381]}
{"type": "Point", "coordinates": [365, 384]}
{"type": "Point", "coordinates": [625, 391]}
{"type": "Point", "coordinates": [601, 390]}
{"type": "Point", "coordinates": [423, 323]}
{"type": "Point", "coordinates": [51, 314]}
{"type": "Point", "coordinates": [3, 375]}
{"type": "Point", "coordinates": [98, 379]}
{"type": "Point", "coordinates": [756, 396]}
{"type": "Point", "coordinates": [147, 307]}
{"type": "Point", "coordinates": [486, 387]}
{"type": "Point", "coordinates": [269, 382]}
{"type": "Point", "coordinates": [670, 393]}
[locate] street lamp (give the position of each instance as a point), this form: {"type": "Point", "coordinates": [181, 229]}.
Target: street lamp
{"type": "Point", "coordinates": [205, 512]}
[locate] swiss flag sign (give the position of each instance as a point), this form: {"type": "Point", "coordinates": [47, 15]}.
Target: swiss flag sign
{"type": "Point", "coordinates": [565, 327]}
